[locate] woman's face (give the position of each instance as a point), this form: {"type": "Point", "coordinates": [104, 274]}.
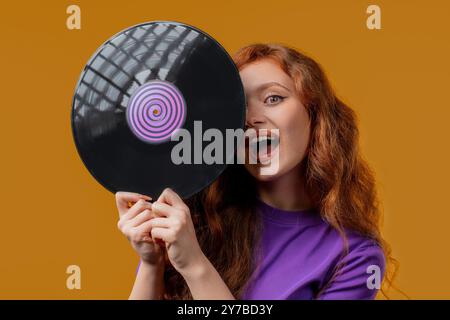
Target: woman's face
{"type": "Point", "coordinates": [272, 103]}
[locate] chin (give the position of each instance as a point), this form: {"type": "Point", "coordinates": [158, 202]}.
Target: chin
{"type": "Point", "coordinates": [255, 171]}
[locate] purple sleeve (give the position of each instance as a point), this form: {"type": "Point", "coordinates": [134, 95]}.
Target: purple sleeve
{"type": "Point", "coordinates": [357, 279]}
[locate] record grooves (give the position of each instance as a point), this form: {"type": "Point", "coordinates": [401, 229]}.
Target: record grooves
{"type": "Point", "coordinates": [138, 89]}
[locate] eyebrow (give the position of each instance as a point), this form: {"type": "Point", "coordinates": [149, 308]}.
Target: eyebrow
{"type": "Point", "coordinates": [270, 84]}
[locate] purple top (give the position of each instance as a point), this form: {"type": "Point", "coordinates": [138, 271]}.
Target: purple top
{"type": "Point", "coordinates": [300, 251]}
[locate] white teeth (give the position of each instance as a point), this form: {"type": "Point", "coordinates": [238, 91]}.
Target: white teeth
{"type": "Point", "coordinates": [260, 139]}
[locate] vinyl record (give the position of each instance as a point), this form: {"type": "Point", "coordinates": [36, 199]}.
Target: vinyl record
{"type": "Point", "coordinates": [140, 87]}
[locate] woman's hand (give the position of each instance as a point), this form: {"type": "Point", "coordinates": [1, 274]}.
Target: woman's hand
{"type": "Point", "coordinates": [174, 226]}
{"type": "Point", "coordinates": [134, 223]}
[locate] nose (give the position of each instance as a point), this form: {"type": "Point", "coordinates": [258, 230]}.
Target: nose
{"type": "Point", "coordinates": [254, 117]}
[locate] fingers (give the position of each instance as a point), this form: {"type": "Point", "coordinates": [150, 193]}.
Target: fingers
{"type": "Point", "coordinates": [138, 234]}
{"type": "Point", "coordinates": [143, 216]}
{"type": "Point", "coordinates": [162, 219]}
{"type": "Point", "coordinates": [172, 198]}
{"type": "Point", "coordinates": [163, 209]}
{"type": "Point", "coordinates": [123, 198]}
{"type": "Point", "coordinates": [166, 229]}
{"type": "Point", "coordinates": [142, 232]}
{"type": "Point", "coordinates": [159, 223]}
{"type": "Point", "coordinates": [137, 208]}
{"type": "Point", "coordinates": [167, 235]}
{"type": "Point", "coordinates": [147, 226]}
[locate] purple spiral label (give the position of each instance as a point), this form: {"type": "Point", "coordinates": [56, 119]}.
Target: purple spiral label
{"type": "Point", "coordinates": [155, 110]}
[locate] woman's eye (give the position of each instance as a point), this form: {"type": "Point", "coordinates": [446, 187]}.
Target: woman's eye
{"type": "Point", "coordinates": [273, 99]}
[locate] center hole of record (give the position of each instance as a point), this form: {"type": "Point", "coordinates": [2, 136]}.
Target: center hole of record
{"type": "Point", "coordinates": [155, 110]}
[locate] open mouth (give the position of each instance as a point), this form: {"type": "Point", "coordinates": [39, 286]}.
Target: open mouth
{"type": "Point", "coordinates": [263, 147]}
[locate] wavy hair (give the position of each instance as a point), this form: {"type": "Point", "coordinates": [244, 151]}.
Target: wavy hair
{"type": "Point", "coordinates": [337, 177]}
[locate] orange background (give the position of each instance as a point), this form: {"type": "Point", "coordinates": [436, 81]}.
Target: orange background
{"type": "Point", "coordinates": [53, 213]}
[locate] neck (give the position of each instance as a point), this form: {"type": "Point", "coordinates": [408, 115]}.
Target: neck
{"type": "Point", "coordinates": [287, 192]}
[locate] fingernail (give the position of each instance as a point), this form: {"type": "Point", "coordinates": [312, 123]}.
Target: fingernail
{"type": "Point", "coordinates": [147, 197]}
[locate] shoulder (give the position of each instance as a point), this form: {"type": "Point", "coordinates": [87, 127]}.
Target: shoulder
{"type": "Point", "coordinates": [358, 244]}
{"type": "Point", "coordinates": [358, 273]}
{"type": "Point", "coordinates": [362, 251]}
{"type": "Point", "coordinates": [364, 248]}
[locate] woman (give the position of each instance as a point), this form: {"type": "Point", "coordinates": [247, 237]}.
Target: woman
{"type": "Point", "coordinates": [308, 231]}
